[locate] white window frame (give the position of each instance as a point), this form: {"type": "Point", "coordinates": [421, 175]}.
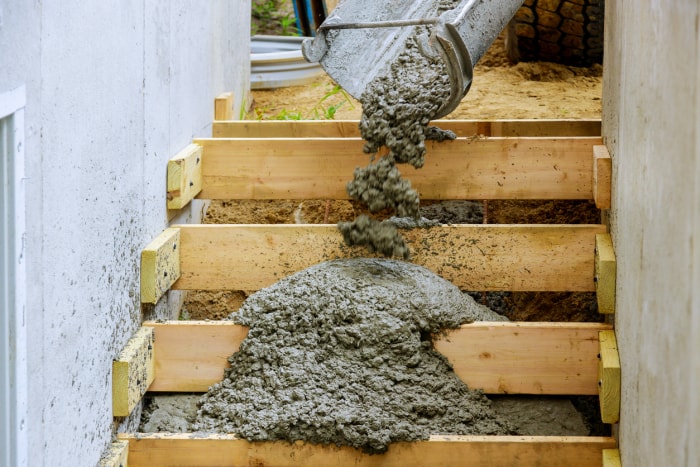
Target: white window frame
{"type": "Point", "coordinates": [13, 282]}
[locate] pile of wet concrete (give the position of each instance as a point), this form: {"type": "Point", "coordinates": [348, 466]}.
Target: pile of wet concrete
{"type": "Point", "coordinates": [342, 353]}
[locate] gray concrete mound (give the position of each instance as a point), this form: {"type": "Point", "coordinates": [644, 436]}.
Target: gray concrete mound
{"type": "Point", "coordinates": [342, 353]}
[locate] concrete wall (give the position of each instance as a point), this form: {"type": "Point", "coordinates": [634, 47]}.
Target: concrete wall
{"type": "Point", "coordinates": [113, 90]}
{"type": "Point", "coordinates": [651, 107]}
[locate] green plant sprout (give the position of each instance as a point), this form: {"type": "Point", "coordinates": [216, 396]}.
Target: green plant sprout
{"type": "Point", "coordinates": [288, 23]}
{"type": "Point", "coordinates": [321, 111]}
{"type": "Point", "coordinates": [267, 18]}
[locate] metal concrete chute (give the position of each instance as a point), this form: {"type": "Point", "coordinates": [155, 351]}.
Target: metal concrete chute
{"type": "Point", "coordinates": [361, 38]}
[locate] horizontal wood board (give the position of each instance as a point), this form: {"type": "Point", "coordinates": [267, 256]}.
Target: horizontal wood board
{"type": "Point", "coordinates": [500, 358]}
{"type": "Point", "coordinates": [496, 257]}
{"type": "Point", "coordinates": [194, 450]}
{"type": "Point", "coordinates": [351, 128]}
{"type": "Point", "coordinates": [466, 168]}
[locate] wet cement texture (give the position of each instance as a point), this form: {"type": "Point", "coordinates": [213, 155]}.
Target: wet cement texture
{"type": "Point", "coordinates": [377, 236]}
{"type": "Point", "coordinates": [397, 107]}
{"type": "Point", "coordinates": [396, 110]}
{"type": "Point", "coordinates": [342, 353]}
{"type": "Point", "coordinates": [168, 413]}
{"type": "Point", "coordinates": [380, 186]}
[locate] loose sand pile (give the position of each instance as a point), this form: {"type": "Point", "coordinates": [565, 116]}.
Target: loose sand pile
{"type": "Point", "coordinates": [342, 353]}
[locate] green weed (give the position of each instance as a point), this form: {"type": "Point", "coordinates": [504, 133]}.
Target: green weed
{"type": "Point", "coordinates": [325, 108]}
{"type": "Point", "coordinates": [267, 17]}
{"type": "Point", "coordinates": [264, 10]}
{"type": "Point", "coordinates": [288, 23]}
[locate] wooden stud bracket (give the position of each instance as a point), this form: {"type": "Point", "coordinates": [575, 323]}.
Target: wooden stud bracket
{"type": "Point", "coordinates": [223, 106]}
{"type": "Point", "coordinates": [611, 458]}
{"type": "Point", "coordinates": [605, 272]}
{"type": "Point", "coordinates": [116, 455]}
{"type": "Point", "coordinates": [184, 176]}
{"type": "Point", "coordinates": [160, 265]}
{"type": "Point", "coordinates": [133, 372]}
{"type": "Point", "coordinates": [609, 377]}
{"type": "Point", "coordinates": [602, 177]}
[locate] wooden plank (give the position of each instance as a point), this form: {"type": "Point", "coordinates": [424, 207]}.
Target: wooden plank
{"type": "Point", "coordinates": [196, 449]}
{"type": "Point", "coordinates": [160, 265]}
{"type": "Point", "coordinates": [466, 168]}
{"type": "Point", "coordinates": [183, 449]}
{"type": "Point", "coordinates": [351, 128]}
{"type": "Point", "coordinates": [500, 358]}
{"type": "Point", "coordinates": [117, 455]}
{"type": "Point", "coordinates": [526, 358]}
{"type": "Point", "coordinates": [605, 273]}
{"type": "Point", "coordinates": [223, 106]}
{"type": "Point", "coordinates": [133, 371]}
{"type": "Point", "coordinates": [609, 377]}
{"type": "Point", "coordinates": [611, 458]}
{"type": "Point", "coordinates": [602, 177]}
{"type": "Point", "coordinates": [192, 355]}
{"type": "Point", "coordinates": [473, 257]}
{"type": "Point", "coordinates": [184, 176]}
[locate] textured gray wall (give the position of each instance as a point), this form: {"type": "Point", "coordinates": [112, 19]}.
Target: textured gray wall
{"type": "Point", "coordinates": [651, 114]}
{"type": "Point", "coordinates": [114, 89]}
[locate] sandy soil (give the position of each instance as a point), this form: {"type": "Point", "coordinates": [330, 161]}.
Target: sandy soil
{"type": "Point", "coordinates": [499, 90]}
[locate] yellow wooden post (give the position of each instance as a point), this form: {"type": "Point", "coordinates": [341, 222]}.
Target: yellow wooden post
{"type": "Point", "coordinates": [611, 458]}
{"type": "Point", "coordinates": [605, 272]}
{"type": "Point", "coordinates": [602, 177]}
{"type": "Point", "coordinates": [117, 455]}
{"type": "Point", "coordinates": [160, 265]}
{"type": "Point", "coordinates": [133, 372]}
{"type": "Point", "coordinates": [609, 378]}
{"type": "Point", "coordinates": [223, 106]}
{"type": "Point", "coordinates": [184, 176]}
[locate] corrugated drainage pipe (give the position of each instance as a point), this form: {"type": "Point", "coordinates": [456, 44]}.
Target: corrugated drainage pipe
{"type": "Point", "coordinates": [276, 62]}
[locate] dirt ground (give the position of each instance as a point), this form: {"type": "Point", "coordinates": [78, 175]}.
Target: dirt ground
{"type": "Point", "coordinates": [500, 90]}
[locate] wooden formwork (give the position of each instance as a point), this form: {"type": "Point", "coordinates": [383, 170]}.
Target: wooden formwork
{"type": "Point", "coordinates": [314, 160]}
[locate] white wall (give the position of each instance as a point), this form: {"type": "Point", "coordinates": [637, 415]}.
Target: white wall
{"type": "Point", "coordinates": [114, 89]}
{"type": "Point", "coordinates": [652, 126]}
